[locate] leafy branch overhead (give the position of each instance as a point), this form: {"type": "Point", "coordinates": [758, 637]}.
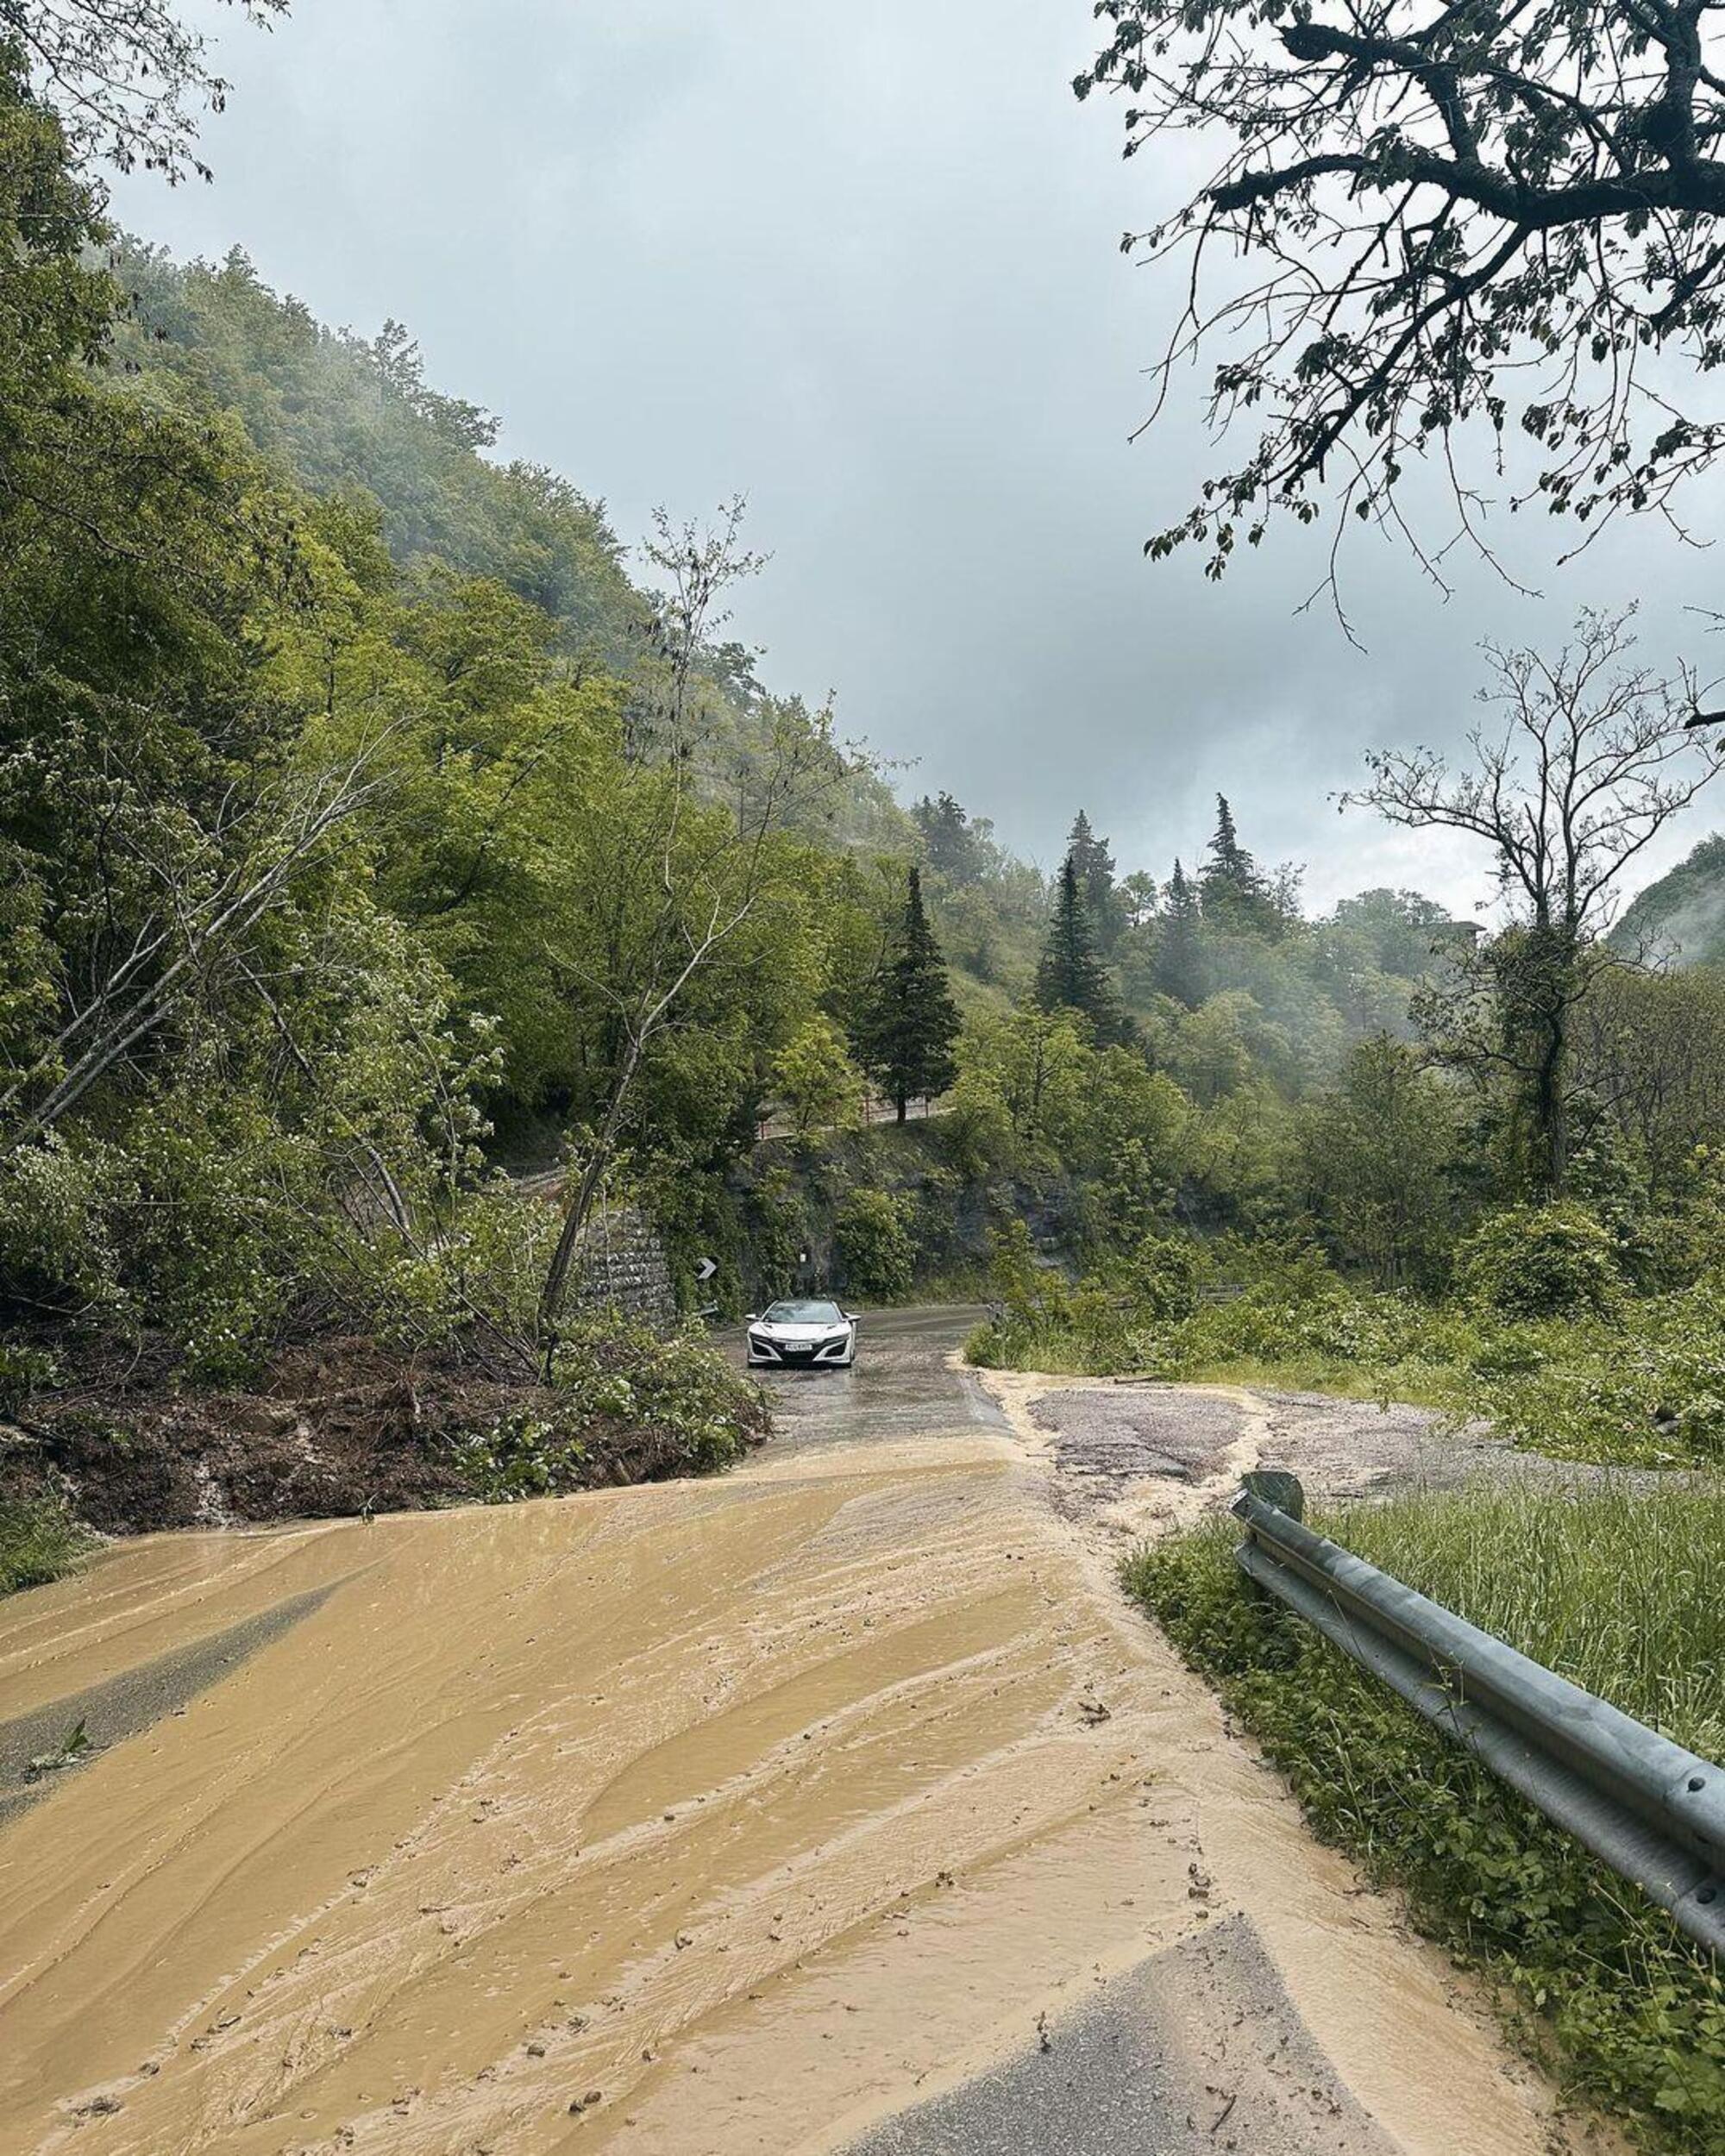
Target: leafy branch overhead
{"type": "Point", "coordinates": [127, 78]}
{"type": "Point", "coordinates": [1482, 212]}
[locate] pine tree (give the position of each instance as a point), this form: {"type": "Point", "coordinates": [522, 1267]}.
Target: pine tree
{"type": "Point", "coordinates": [1094, 866]}
{"type": "Point", "coordinates": [1236, 895]}
{"type": "Point", "coordinates": [909, 1022]}
{"type": "Point", "coordinates": [1179, 970]}
{"type": "Point", "coordinates": [953, 842]}
{"type": "Point", "coordinates": [1071, 976]}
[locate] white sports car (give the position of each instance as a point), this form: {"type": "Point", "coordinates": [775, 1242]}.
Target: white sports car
{"type": "Point", "coordinates": [802, 1335]}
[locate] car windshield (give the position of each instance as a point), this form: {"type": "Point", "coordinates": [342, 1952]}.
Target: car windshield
{"type": "Point", "coordinates": [805, 1314]}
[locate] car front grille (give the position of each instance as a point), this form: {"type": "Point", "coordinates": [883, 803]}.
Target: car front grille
{"type": "Point", "coordinates": [800, 1352]}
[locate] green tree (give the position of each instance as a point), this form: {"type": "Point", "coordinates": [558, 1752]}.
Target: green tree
{"type": "Point", "coordinates": [1648, 1059]}
{"type": "Point", "coordinates": [1179, 970]}
{"type": "Point", "coordinates": [1070, 975]}
{"type": "Point", "coordinates": [954, 846]}
{"type": "Point", "coordinates": [1020, 1099]}
{"type": "Point", "coordinates": [1094, 866]}
{"type": "Point", "coordinates": [1236, 897]}
{"type": "Point", "coordinates": [1404, 932]}
{"type": "Point", "coordinates": [1139, 898]}
{"type": "Point", "coordinates": [817, 1080]}
{"type": "Point", "coordinates": [1379, 1151]}
{"type": "Point", "coordinates": [682, 876]}
{"type": "Point", "coordinates": [909, 1022]}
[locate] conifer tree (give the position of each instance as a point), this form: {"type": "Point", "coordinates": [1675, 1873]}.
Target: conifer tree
{"type": "Point", "coordinates": [1179, 970]}
{"type": "Point", "coordinates": [904, 1039]}
{"type": "Point", "coordinates": [954, 842]}
{"type": "Point", "coordinates": [1236, 896]}
{"type": "Point", "coordinates": [1094, 867]}
{"type": "Point", "coordinates": [1071, 976]}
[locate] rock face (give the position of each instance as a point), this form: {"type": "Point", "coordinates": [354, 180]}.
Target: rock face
{"type": "Point", "coordinates": [620, 1265]}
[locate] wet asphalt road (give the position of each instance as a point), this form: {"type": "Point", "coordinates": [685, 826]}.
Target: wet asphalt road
{"type": "Point", "coordinates": [900, 1386]}
{"type": "Point", "coordinates": [1198, 2049]}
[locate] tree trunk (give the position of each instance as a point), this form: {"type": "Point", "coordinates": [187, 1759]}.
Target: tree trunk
{"type": "Point", "coordinates": [902, 1103]}
{"type": "Point", "coordinates": [1551, 1110]}
{"type": "Point", "coordinates": [604, 1144]}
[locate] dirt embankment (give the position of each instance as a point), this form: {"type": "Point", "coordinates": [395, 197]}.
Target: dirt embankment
{"type": "Point", "coordinates": [339, 1428]}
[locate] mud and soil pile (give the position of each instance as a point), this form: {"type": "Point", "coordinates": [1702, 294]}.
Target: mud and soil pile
{"type": "Point", "coordinates": [341, 1426]}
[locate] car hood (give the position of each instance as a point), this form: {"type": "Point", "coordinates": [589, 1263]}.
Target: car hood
{"type": "Point", "coordinates": [776, 1330]}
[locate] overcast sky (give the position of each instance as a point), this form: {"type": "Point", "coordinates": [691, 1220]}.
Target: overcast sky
{"type": "Point", "coordinates": [862, 263]}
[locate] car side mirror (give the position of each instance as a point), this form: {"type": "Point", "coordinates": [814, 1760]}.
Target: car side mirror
{"type": "Point", "coordinates": [754, 1318]}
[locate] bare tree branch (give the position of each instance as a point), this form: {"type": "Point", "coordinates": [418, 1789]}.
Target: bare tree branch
{"type": "Point", "coordinates": [1501, 212]}
{"type": "Point", "coordinates": [1589, 758]}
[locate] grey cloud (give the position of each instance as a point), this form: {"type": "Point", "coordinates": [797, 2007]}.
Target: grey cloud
{"type": "Point", "coordinates": [862, 265]}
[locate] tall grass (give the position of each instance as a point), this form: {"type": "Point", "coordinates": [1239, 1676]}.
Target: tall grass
{"type": "Point", "coordinates": [40, 1539]}
{"type": "Point", "coordinates": [1621, 1589]}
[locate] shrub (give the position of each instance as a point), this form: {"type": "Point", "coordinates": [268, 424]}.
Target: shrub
{"type": "Point", "coordinates": [519, 1456]}
{"type": "Point", "coordinates": [40, 1539]}
{"type": "Point", "coordinates": [487, 1264]}
{"type": "Point", "coordinates": [1650, 1390]}
{"type": "Point", "coordinates": [877, 1254]}
{"type": "Point", "coordinates": [777, 1220]}
{"type": "Point", "coordinates": [1550, 1261]}
{"type": "Point", "coordinates": [680, 1390]}
{"type": "Point", "coordinates": [24, 1370]}
{"type": "Point", "coordinates": [622, 1405]}
{"type": "Point", "coordinates": [1165, 1276]}
{"type": "Point", "coordinates": [1642, 1384]}
{"type": "Point", "coordinates": [57, 1206]}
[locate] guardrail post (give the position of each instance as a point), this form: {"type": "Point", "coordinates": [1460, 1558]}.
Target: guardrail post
{"type": "Point", "coordinates": [1274, 1486]}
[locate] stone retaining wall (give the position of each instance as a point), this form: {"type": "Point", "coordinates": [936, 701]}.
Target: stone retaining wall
{"type": "Point", "coordinates": [620, 1264]}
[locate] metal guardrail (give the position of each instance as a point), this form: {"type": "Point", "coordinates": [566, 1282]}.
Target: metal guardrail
{"type": "Point", "coordinates": [1648, 1809]}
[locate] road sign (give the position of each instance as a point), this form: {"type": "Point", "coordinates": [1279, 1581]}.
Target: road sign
{"type": "Point", "coordinates": [705, 1269]}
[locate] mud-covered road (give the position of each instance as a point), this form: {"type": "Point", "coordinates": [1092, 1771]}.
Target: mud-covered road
{"type": "Point", "coordinates": [840, 1804]}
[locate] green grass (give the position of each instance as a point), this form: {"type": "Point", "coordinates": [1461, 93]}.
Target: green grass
{"type": "Point", "coordinates": [40, 1539]}
{"type": "Point", "coordinates": [1621, 1590]}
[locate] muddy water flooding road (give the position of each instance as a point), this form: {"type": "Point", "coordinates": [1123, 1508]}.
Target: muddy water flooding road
{"type": "Point", "coordinates": [839, 1804]}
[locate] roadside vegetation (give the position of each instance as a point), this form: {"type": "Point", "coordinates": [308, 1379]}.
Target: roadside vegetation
{"type": "Point", "coordinates": [1540, 1335]}
{"type": "Point", "coordinates": [40, 1540]}
{"type": "Point", "coordinates": [1622, 1589]}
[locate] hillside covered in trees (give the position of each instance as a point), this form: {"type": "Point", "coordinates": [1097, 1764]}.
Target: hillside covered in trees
{"type": "Point", "coordinates": [1680, 918]}
{"type": "Point", "coordinates": [377, 823]}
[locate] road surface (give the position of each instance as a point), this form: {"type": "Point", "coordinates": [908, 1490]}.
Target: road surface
{"type": "Point", "coordinates": [837, 1805]}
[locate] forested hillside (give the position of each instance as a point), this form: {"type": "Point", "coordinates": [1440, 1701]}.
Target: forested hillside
{"type": "Point", "coordinates": [478, 633]}
{"type": "Point", "coordinates": [376, 823]}
{"type": "Point", "coordinates": [1681, 917]}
